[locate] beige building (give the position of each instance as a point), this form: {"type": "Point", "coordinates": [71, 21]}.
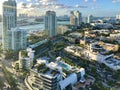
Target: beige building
{"type": "Point", "coordinates": [62, 29]}
{"type": "Point", "coordinates": [82, 42]}
{"type": "Point", "coordinates": [73, 20]}
{"type": "Point", "coordinates": [109, 47]}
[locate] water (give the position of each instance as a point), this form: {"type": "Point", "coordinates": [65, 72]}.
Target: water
{"type": "Point", "coordinates": [65, 66]}
{"type": "Point", "coordinates": [36, 27]}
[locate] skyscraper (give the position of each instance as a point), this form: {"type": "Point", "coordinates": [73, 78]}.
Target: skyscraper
{"type": "Point", "coordinates": [73, 19]}
{"type": "Point", "coordinates": [79, 17]}
{"type": "Point", "coordinates": [90, 18]}
{"type": "Point", "coordinates": [118, 17]}
{"type": "Point", "coordinates": [18, 39]}
{"type": "Point", "coordinates": [50, 23]}
{"type": "Point", "coordinates": [12, 37]}
{"type": "Point", "coordinates": [9, 21]}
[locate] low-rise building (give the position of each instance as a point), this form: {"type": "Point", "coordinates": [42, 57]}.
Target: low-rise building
{"type": "Point", "coordinates": [49, 76]}
{"type": "Point", "coordinates": [46, 76]}
{"type": "Point", "coordinates": [26, 59]}
{"type": "Point", "coordinates": [62, 29]}
{"type": "Point", "coordinates": [109, 47]}
{"type": "Point", "coordinates": [97, 53]}
{"type": "Point", "coordinates": [116, 36]}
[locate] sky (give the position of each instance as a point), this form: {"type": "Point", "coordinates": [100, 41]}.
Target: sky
{"type": "Point", "coordinates": [101, 8]}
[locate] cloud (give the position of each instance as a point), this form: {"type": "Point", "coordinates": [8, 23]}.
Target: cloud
{"type": "Point", "coordinates": [80, 6]}
{"type": "Point", "coordinates": [48, 0]}
{"type": "Point", "coordinates": [28, 0]}
{"type": "Point", "coordinates": [21, 5]}
{"type": "Point", "coordinates": [94, 0]}
{"type": "Point", "coordinates": [86, 0]}
{"type": "Point", "coordinates": [115, 1]}
{"type": "Point", "coordinates": [42, 6]}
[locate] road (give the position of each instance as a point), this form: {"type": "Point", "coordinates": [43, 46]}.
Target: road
{"type": "Point", "coordinates": [8, 64]}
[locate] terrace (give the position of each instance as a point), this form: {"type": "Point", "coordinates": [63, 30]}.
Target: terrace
{"type": "Point", "coordinates": [88, 82]}
{"type": "Point", "coordinates": [44, 70]}
{"type": "Point", "coordinates": [113, 63]}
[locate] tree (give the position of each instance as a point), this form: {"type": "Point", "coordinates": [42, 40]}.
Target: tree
{"type": "Point", "coordinates": [17, 66]}
{"type": "Point", "coordinates": [11, 81]}
{"type": "Point", "coordinates": [11, 54]}
{"type": "Point", "coordinates": [1, 83]}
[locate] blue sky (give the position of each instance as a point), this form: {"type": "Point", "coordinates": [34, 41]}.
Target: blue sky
{"type": "Point", "coordinates": [94, 7]}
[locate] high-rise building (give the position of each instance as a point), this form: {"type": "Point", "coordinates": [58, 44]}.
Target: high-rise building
{"type": "Point", "coordinates": [12, 37]}
{"type": "Point", "coordinates": [118, 17]}
{"type": "Point", "coordinates": [9, 21]}
{"type": "Point", "coordinates": [17, 39]}
{"type": "Point", "coordinates": [89, 19]}
{"type": "Point", "coordinates": [79, 17]}
{"type": "Point", "coordinates": [73, 19]}
{"type": "Point", "coordinates": [50, 23]}
{"type": "Point", "coordinates": [84, 19]}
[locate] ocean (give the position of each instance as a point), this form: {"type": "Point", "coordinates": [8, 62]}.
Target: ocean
{"type": "Point", "coordinates": [36, 27]}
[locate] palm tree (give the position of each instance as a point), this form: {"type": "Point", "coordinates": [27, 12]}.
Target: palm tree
{"type": "Point", "coordinates": [1, 83]}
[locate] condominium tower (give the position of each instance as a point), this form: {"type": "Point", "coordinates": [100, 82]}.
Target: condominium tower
{"type": "Point", "coordinates": [78, 16]}
{"type": "Point", "coordinates": [90, 18]}
{"type": "Point", "coordinates": [118, 17]}
{"type": "Point", "coordinates": [12, 37]}
{"type": "Point", "coordinates": [50, 23]}
{"type": "Point", "coordinates": [75, 18]}
{"type": "Point", "coordinates": [9, 21]}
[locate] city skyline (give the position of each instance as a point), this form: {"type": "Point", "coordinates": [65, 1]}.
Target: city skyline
{"type": "Point", "coordinates": [86, 7]}
{"type": "Point", "coordinates": [60, 45]}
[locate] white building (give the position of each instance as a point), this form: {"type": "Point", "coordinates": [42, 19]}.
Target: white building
{"type": "Point", "coordinates": [25, 63]}
{"type": "Point", "coordinates": [73, 20]}
{"type": "Point", "coordinates": [9, 18]}
{"type": "Point", "coordinates": [26, 58]}
{"type": "Point", "coordinates": [50, 23]}
{"type": "Point", "coordinates": [118, 17]}
{"type": "Point", "coordinates": [116, 36]}
{"type": "Point", "coordinates": [43, 60]}
{"type": "Point", "coordinates": [72, 79]}
{"type": "Point", "coordinates": [52, 77]}
{"type": "Point", "coordinates": [17, 39]}
{"type": "Point", "coordinates": [47, 78]}
{"type": "Point", "coordinates": [79, 17]}
{"type": "Point", "coordinates": [89, 19]}
{"type": "Point", "coordinates": [30, 53]}
{"type": "Point", "coordinates": [102, 25]}
{"type": "Point", "coordinates": [93, 53]}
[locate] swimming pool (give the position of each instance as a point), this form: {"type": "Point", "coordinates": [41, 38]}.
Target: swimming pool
{"type": "Point", "coordinates": [65, 66]}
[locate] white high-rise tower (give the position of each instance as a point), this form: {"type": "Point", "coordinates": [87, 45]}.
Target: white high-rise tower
{"type": "Point", "coordinates": [78, 16]}
{"type": "Point", "coordinates": [9, 21]}
{"type": "Point", "coordinates": [50, 23]}
{"type": "Point", "coordinates": [12, 37]}
{"type": "Point", "coordinates": [73, 19]}
{"type": "Point", "coordinates": [90, 18]}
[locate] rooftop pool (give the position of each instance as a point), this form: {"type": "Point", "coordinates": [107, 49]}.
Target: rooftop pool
{"type": "Point", "coordinates": [65, 66]}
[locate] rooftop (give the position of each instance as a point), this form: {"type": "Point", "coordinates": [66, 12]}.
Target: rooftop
{"type": "Point", "coordinates": [38, 43]}
{"type": "Point", "coordinates": [47, 70]}
{"type": "Point", "coordinates": [89, 81]}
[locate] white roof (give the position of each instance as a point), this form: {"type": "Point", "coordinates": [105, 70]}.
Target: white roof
{"type": "Point", "coordinates": [72, 79]}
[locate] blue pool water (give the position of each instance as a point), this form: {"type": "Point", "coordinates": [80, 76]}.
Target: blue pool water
{"type": "Point", "coordinates": [65, 66]}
